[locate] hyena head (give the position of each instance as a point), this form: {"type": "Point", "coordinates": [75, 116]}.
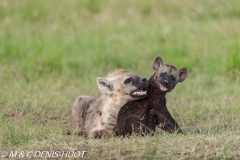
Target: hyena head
{"type": "Point", "coordinates": [124, 85]}
{"type": "Point", "coordinates": [167, 76]}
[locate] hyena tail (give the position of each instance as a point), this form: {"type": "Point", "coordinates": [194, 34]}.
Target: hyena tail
{"type": "Point", "coordinates": [79, 113]}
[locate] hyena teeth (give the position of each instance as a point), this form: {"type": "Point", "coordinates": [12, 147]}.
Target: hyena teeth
{"type": "Point", "coordinates": [139, 93]}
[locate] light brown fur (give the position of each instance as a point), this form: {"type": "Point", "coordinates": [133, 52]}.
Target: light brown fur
{"type": "Point", "coordinates": [97, 117]}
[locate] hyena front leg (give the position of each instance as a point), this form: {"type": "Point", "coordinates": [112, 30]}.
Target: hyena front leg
{"type": "Point", "coordinates": [166, 121]}
{"type": "Point", "coordinates": [98, 134]}
{"type": "Point", "coordinates": [79, 113]}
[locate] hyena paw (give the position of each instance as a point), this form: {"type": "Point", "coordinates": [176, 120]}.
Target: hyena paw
{"type": "Point", "coordinates": [78, 133]}
{"type": "Point", "coordinates": [100, 134]}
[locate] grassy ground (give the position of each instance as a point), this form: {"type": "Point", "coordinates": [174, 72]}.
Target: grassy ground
{"type": "Point", "coordinates": [53, 51]}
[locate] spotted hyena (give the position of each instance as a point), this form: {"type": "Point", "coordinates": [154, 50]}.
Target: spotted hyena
{"type": "Point", "coordinates": [142, 116]}
{"type": "Point", "coordinates": [97, 117]}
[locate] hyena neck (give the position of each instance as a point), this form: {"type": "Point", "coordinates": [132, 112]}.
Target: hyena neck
{"type": "Point", "coordinates": [153, 88]}
{"type": "Point", "coordinates": [112, 104]}
{"type": "Point", "coordinates": [110, 111]}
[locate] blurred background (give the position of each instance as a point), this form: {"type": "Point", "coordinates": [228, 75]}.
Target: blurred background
{"type": "Point", "coordinates": [53, 51]}
{"type": "Point", "coordinates": [79, 37]}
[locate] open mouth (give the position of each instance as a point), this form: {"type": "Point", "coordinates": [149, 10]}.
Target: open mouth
{"type": "Point", "coordinates": [139, 93]}
{"type": "Point", "coordinates": [163, 88]}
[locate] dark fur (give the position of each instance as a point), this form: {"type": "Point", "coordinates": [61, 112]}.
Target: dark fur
{"type": "Point", "coordinates": [142, 116]}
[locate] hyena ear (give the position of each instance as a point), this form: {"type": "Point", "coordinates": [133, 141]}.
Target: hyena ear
{"type": "Point", "coordinates": [182, 74]}
{"type": "Point", "coordinates": [104, 85]}
{"type": "Point", "coordinates": [158, 63]}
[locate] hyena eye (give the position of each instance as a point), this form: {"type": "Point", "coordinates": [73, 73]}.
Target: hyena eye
{"type": "Point", "coordinates": [162, 74]}
{"type": "Point", "coordinates": [173, 79]}
{"type": "Point", "coordinates": [127, 81]}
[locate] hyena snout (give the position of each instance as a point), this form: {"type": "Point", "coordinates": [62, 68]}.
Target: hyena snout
{"type": "Point", "coordinates": [144, 79]}
{"type": "Point", "coordinates": [141, 86]}
{"type": "Point", "coordinates": [165, 82]}
{"type": "Point", "coordinates": [145, 84]}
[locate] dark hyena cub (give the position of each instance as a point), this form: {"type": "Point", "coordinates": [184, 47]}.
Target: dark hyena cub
{"type": "Point", "coordinates": [142, 116]}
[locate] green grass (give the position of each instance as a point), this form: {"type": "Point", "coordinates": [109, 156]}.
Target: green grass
{"type": "Point", "coordinates": [53, 51]}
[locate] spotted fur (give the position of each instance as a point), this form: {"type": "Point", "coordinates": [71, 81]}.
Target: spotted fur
{"type": "Point", "coordinates": [96, 117]}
